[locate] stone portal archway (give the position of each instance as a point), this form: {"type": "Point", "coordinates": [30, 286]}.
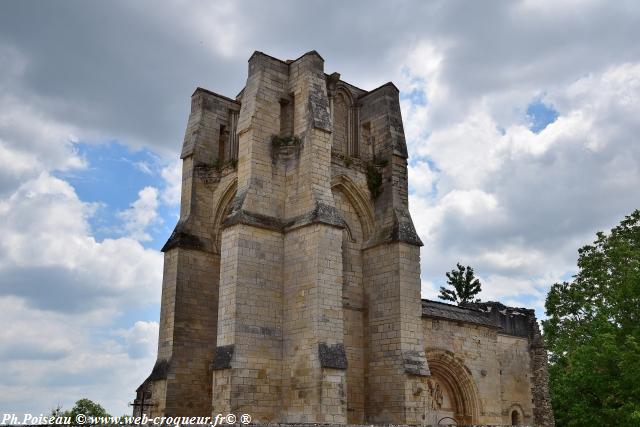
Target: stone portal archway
{"type": "Point", "coordinates": [352, 297]}
{"type": "Point", "coordinates": [452, 393]}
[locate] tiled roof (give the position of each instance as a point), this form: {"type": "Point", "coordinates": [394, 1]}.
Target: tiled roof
{"type": "Point", "coordinates": [444, 311]}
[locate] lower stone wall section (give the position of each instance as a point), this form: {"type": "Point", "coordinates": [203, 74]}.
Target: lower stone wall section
{"type": "Point", "coordinates": [372, 425]}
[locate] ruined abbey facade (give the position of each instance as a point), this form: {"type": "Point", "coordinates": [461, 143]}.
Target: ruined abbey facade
{"type": "Point", "coordinates": [291, 287]}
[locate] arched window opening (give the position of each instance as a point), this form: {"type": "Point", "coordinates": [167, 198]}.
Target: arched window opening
{"type": "Point", "coordinates": [345, 114]}
{"type": "Point", "coordinates": [515, 418]}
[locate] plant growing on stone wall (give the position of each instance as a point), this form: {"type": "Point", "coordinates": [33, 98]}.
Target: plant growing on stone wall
{"type": "Point", "coordinates": [464, 283]}
{"type": "Point", "coordinates": [374, 176]}
{"type": "Point", "coordinates": [217, 164]}
{"type": "Point", "coordinates": [284, 141]}
{"type": "Point", "coordinates": [381, 163]}
{"type": "Point", "coordinates": [348, 161]}
{"type": "Point", "coordinates": [374, 180]}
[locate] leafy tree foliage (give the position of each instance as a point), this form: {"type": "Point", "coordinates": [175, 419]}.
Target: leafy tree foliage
{"type": "Point", "coordinates": [593, 333]}
{"type": "Point", "coordinates": [464, 283]}
{"type": "Point", "coordinates": [88, 408]}
{"type": "Point", "coordinates": [83, 406]}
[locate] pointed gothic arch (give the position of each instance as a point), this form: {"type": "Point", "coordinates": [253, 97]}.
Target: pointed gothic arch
{"type": "Point", "coordinates": [359, 200]}
{"type": "Point", "coordinates": [345, 115]}
{"type": "Point", "coordinates": [222, 210]}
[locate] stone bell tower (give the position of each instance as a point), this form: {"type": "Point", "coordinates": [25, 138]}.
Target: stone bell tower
{"type": "Point", "coordinates": [291, 287]}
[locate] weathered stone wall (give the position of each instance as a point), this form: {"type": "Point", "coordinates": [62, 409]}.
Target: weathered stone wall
{"type": "Point", "coordinates": [250, 322]}
{"type": "Point", "coordinates": [522, 322]}
{"type": "Point", "coordinates": [497, 365]}
{"type": "Point", "coordinates": [496, 350]}
{"type": "Point", "coordinates": [470, 348]}
{"type": "Point", "coordinates": [542, 410]}
{"type": "Point", "coordinates": [396, 362]}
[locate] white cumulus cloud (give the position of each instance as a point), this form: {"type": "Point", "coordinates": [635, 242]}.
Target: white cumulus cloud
{"type": "Point", "coordinates": [142, 214]}
{"type": "Point", "coordinates": [515, 204]}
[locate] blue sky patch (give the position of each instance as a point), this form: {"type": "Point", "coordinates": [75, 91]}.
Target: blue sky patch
{"type": "Point", "coordinates": [433, 191]}
{"type": "Point", "coordinates": [540, 115]}
{"type": "Point", "coordinates": [112, 180]}
{"type": "Point", "coordinates": [114, 177]}
{"type": "Point", "coordinates": [416, 96]}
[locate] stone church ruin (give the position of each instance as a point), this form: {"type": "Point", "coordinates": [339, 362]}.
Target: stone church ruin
{"type": "Point", "coordinates": [291, 288]}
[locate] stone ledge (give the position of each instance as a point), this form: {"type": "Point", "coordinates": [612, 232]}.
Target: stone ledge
{"type": "Point", "coordinates": [321, 214]}
{"type": "Point", "coordinates": [181, 237]}
{"type": "Point", "coordinates": [332, 356]}
{"type": "Point", "coordinates": [222, 357]}
{"type": "Point", "coordinates": [415, 363]}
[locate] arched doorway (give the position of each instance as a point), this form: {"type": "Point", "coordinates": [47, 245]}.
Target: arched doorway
{"type": "Point", "coordinates": [515, 415]}
{"type": "Point", "coordinates": [515, 418]}
{"type": "Point", "coordinates": [452, 397]}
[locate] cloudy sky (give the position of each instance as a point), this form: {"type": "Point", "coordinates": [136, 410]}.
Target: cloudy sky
{"type": "Point", "coordinates": [522, 119]}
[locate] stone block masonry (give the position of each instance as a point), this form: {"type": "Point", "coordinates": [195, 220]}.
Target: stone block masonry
{"type": "Point", "coordinates": [291, 288]}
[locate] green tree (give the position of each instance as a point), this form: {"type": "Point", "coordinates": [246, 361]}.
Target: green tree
{"type": "Point", "coordinates": [464, 283]}
{"type": "Point", "coordinates": [593, 333]}
{"type": "Point", "coordinates": [88, 408]}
